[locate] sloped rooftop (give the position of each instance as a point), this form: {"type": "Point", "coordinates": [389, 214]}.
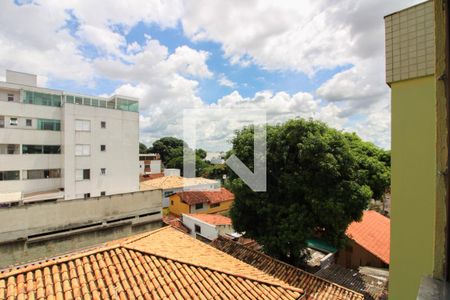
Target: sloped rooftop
{"type": "Point", "coordinates": [212, 219]}
{"type": "Point", "coordinates": [315, 287]}
{"type": "Point", "coordinates": [373, 233]}
{"type": "Point", "coordinates": [211, 197]}
{"type": "Point", "coordinates": [174, 182]}
{"type": "Point", "coordinates": [162, 264]}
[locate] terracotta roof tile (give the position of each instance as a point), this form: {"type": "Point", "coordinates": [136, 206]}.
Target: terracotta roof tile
{"type": "Point", "coordinates": [373, 233]}
{"type": "Point", "coordinates": [144, 267]}
{"type": "Point", "coordinates": [212, 219]}
{"type": "Point", "coordinates": [176, 223]}
{"type": "Point", "coordinates": [173, 182]}
{"type": "Point", "coordinates": [211, 197]}
{"type": "Point", "coordinates": [315, 287]}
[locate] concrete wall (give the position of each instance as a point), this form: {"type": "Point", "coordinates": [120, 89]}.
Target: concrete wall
{"type": "Point", "coordinates": [121, 138]}
{"type": "Point", "coordinates": [207, 230]}
{"type": "Point", "coordinates": [24, 251]}
{"type": "Point", "coordinates": [27, 221]}
{"type": "Point", "coordinates": [413, 185]}
{"type": "Point", "coordinates": [442, 142]}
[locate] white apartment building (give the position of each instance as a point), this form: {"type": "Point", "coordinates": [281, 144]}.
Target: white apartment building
{"type": "Point", "coordinates": [55, 144]}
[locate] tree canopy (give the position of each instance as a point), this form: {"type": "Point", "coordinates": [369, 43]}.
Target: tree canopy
{"type": "Point", "coordinates": [142, 148]}
{"type": "Point", "coordinates": [319, 180]}
{"type": "Point", "coordinates": [171, 150]}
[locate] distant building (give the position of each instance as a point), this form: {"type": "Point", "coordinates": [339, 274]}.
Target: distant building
{"type": "Point", "coordinates": [215, 157]}
{"type": "Point", "coordinates": [174, 184]}
{"type": "Point", "coordinates": [207, 226]}
{"type": "Point", "coordinates": [149, 163]}
{"type": "Point", "coordinates": [369, 242]}
{"type": "Point", "coordinates": [201, 201]}
{"type": "Point", "coordinates": [59, 145]}
{"type": "Point", "coordinates": [171, 172]}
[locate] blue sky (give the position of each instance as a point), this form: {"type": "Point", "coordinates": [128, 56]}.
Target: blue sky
{"type": "Point", "coordinates": [248, 79]}
{"type": "Point", "coordinates": [291, 59]}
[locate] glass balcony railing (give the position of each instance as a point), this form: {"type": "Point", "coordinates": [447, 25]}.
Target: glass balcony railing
{"type": "Point", "coordinates": [55, 100]}
{"type": "Point", "coordinates": [115, 103]}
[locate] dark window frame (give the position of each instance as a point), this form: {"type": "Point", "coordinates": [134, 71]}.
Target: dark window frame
{"type": "Point", "coordinates": [86, 174]}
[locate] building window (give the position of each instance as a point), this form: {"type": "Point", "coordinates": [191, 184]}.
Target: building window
{"type": "Point", "coordinates": [42, 174]}
{"type": "Point", "coordinates": [29, 122]}
{"type": "Point", "coordinates": [9, 175]}
{"type": "Point", "coordinates": [82, 125]}
{"type": "Point", "coordinates": [69, 99]}
{"type": "Point", "coordinates": [42, 99]}
{"type": "Point", "coordinates": [171, 202]}
{"type": "Point", "coordinates": [2, 122]}
{"type": "Point", "coordinates": [78, 100]}
{"type": "Point", "coordinates": [41, 149]}
{"type": "Point", "coordinates": [199, 206]}
{"type": "Point", "coordinates": [83, 174]}
{"type": "Point", "coordinates": [103, 193]}
{"type": "Point", "coordinates": [52, 149]}
{"type": "Point", "coordinates": [103, 124]}
{"type": "Point", "coordinates": [214, 205]}
{"type": "Point", "coordinates": [9, 149]}
{"type": "Point", "coordinates": [168, 193]}
{"type": "Point", "coordinates": [103, 148]}
{"type": "Point", "coordinates": [46, 124]}
{"type": "Point", "coordinates": [10, 97]}
{"type": "Point", "coordinates": [87, 195]}
{"type": "Point", "coordinates": [103, 171]}
{"type": "Point", "coordinates": [197, 228]}
{"type": "Point", "coordinates": [13, 121]}
{"type": "Point", "coordinates": [87, 101]}
{"type": "Point", "coordinates": [82, 150]}
{"type": "Point", "coordinates": [32, 149]}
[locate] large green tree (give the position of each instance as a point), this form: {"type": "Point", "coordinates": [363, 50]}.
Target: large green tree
{"type": "Point", "coordinates": [319, 180]}
{"type": "Point", "coordinates": [142, 148]}
{"type": "Point", "coordinates": [168, 148]}
{"type": "Point", "coordinates": [171, 150]}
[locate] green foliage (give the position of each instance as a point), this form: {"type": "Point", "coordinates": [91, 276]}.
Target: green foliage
{"type": "Point", "coordinates": [171, 150]}
{"type": "Point", "coordinates": [167, 147]}
{"type": "Point", "coordinates": [214, 171]}
{"type": "Point", "coordinates": [200, 153]}
{"type": "Point", "coordinates": [319, 180]}
{"type": "Point", "coordinates": [142, 148]}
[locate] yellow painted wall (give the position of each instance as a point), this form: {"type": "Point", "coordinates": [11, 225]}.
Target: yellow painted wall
{"type": "Point", "coordinates": [413, 185]}
{"type": "Point", "coordinates": [224, 206]}
{"type": "Point", "coordinates": [178, 207]}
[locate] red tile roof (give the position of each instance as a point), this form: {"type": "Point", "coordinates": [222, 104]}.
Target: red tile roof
{"type": "Point", "coordinates": [315, 287]}
{"type": "Point", "coordinates": [176, 223]}
{"type": "Point", "coordinates": [210, 197]}
{"type": "Point", "coordinates": [147, 266]}
{"type": "Point", "coordinates": [212, 219]}
{"type": "Point", "coordinates": [373, 233]}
